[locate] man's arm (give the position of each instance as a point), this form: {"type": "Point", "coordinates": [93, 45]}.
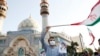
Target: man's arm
{"type": "Point", "coordinates": [44, 44]}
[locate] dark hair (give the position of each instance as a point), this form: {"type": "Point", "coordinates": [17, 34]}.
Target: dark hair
{"type": "Point", "coordinates": [95, 53]}
{"type": "Point", "coordinates": [98, 39]}
{"type": "Point", "coordinates": [42, 52]}
{"type": "Point", "coordinates": [63, 43]}
{"type": "Point", "coordinates": [85, 53]}
{"type": "Point", "coordinates": [51, 37]}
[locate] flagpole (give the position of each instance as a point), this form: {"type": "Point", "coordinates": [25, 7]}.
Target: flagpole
{"type": "Point", "coordinates": [60, 25]}
{"type": "Point", "coordinates": [81, 43]}
{"type": "Point", "coordinates": [93, 46]}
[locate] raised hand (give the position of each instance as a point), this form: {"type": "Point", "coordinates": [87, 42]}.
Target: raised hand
{"type": "Point", "coordinates": [47, 28]}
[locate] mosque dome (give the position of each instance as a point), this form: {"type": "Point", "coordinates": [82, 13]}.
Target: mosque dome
{"type": "Point", "coordinates": [28, 24]}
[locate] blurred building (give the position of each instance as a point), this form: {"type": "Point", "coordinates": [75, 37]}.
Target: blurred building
{"type": "Point", "coordinates": [26, 40]}
{"type": "Point", "coordinates": [79, 40]}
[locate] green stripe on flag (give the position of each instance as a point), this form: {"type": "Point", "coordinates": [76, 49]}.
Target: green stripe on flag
{"type": "Point", "coordinates": [95, 22]}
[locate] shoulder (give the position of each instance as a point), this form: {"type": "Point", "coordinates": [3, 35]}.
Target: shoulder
{"type": "Point", "coordinates": [57, 47]}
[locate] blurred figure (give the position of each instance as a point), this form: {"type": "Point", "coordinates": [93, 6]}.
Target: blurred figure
{"type": "Point", "coordinates": [51, 48]}
{"type": "Point", "coordinates": [62, 49]}
{"type": "Point", "coordinates": [99, 42]}
{"type": "Point", "coordinates": [95, 53]}
{"type": "Point", "coordinates": [98, 52]}
{"type": "Point", "coordinates": [42, 53]}
{"type": "Point", "coordinates": [87, 52]}
{"type": "Point", "coordinates": [99, 45]}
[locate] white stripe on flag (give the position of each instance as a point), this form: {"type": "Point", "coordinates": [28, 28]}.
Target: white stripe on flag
{"type": "Point", "coordinates": [93, 16]}
{"type": "Point", "coordinates": [91, 35]}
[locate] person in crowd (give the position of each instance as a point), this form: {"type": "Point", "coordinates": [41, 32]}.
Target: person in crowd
{"type": "Point", "coordinates": [42, 53]}
{"type": "Point", "coordinates": [99, 42]}
{"type": "Point", "coordinates": [62, 49]}
{"type": "Point", "coordinates": [51, 48]}
{"type": "Point", "coordinates": [98, 52]}
{"type": "Point", "coordinates": [99, 45]}
{"type": "Point", "coordinates": [87, 52]}
{"type": "Point", "coordinates": [95, 53]}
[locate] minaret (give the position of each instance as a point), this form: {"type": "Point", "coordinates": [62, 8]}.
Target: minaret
{"type": "Point", "coordinates": [3, 10]}
{"type": "Point", "coordinates": [44, 13]}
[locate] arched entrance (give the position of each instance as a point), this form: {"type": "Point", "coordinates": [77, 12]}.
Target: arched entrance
{"type": "Point", "coordinates": [21, 52]}
{"type": "Point", "coordinates": [19, 47]}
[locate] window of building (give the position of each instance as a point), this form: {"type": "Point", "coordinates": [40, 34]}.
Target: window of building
{"type": "Point", "coordinates": [61, 39]}
{"type": "Point", "coordinates": [1, 49]}
{"type": "Point", "coordinates": [21, 52]}
{"type": "Point", "coordinates": [2, 41]}
{"type": "Point", "coordinates": [56, 39]}
{"type": "Point", "coordinates": [36, 40]}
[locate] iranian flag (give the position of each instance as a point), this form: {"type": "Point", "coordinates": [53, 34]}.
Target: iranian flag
{"type": "Point", "coordinates": [91, 35]}
{"type": "Point", "coordinates": [93, 18]}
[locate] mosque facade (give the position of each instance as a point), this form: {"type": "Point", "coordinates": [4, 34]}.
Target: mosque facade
{"type": "Point", "coordinates": [26, 41]}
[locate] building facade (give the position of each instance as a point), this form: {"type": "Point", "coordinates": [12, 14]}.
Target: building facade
{"type": "Point", "coordinates": [26, 41]}
{"type": "Point", "coordinates": [79, 40]}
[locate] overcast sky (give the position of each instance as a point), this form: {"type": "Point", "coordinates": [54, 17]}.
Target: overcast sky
{"type": "Point", "coordinates": [61, 12]}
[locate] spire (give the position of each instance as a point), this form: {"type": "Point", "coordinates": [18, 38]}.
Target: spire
{"type": "Point", "coordinates": [30, 16]}
{"type": "Point", "coordinates": [44, 13]}
{"type": "Point", "coordinates": [3, 0]}
{"type": "Point", "coordinates": [44, 1]}
{"type": "Point", "coordinates": [3, 8]}
{"type": "Point", "coordinates": [44, 7]}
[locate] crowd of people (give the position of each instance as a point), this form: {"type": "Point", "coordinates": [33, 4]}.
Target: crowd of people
{"type": "Point", "coordinates": [51, 49]}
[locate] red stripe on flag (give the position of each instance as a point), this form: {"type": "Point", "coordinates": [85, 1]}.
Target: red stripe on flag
{"type": "Point", "coordinates": [91, 34]}
{"type": "Point", "coordinates": [93, 8]}
{"type": "Point", "coordinates": [95, 5]}
{"type": "Point", "coordinates": [93, 37]}
{"type": "Point", "coordinates": [78, 23]}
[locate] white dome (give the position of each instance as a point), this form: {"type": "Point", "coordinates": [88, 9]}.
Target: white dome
{"type": "Point", "coordinates": [28, 24]}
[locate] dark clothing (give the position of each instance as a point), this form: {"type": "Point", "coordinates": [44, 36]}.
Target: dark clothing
{"type": "Point", "coordinates": [62, 54]}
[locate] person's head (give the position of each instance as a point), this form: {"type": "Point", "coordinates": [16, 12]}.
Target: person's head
{"type": "Point", "coordinates": [98, 50]}
{"type": "Point", "coordinates": [63, 44]}
{"type": "Point", "coordinates": [51, 41]}
{"type": "Point", "coordinates": [88, 51]}
{"type": "Point", "coordinates": [42, 53]}
{"type": "Point", "coordinates": [95, 53]}
{"type": "Point", "coordinates": [99, 41]}
{"type": "Point", "coordinates": [85, 53]}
